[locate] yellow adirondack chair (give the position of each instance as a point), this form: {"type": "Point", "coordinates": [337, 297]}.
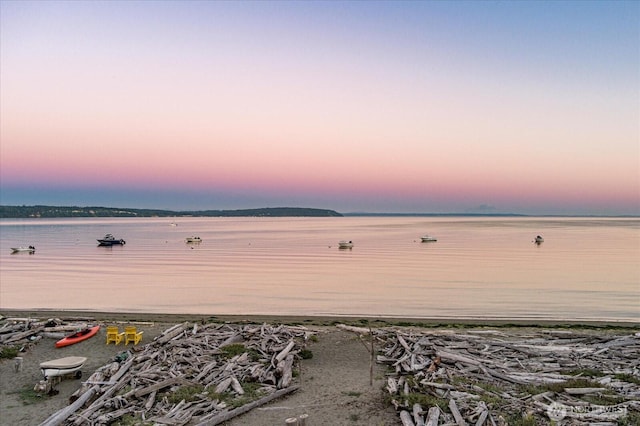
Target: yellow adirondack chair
{"type": "Point", "coordinates": [131, 335]}
{"type": "Point", "coordinates": [114, 335]}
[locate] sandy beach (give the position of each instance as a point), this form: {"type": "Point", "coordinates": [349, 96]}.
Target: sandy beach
{"type": "Point", "coordinates": [334, 385]}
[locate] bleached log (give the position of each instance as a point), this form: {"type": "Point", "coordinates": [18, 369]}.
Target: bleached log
{"type": "Point", "coordinates": [392, 385]}
{"type": "Point", "coordinates": [205, 371]}
{"type": "Point", "coordinates": [172, 333]}
{"type": "Point", "coordinates": [404, 344]}
{"type": "Point", "coordinates": [223, 385]}
{"type": "Point", "coordinates": [444, 386]}
{"type": "Point", "coordinates": [52, 335]}
{"type": "Point", "coordinates": [482, 418]}
{"type": "Point", "coordinates": [150, 400]}
{"type": "Point", "coordinates": [359, 330]}
{"type": "Point", "coordinates": [234, 338]}
{"type": "Point", "coordinates": [457, 358]}
{"type": "Point", "coordinates": [236, 386]}
{"type": "Point", "coordinates": [66, 328]}
{"type": "Point", "coordinates": [22, 335]}
{"type": "Point", "coordinates": [583, 391]}
{"type": "Point", "coordinates": [216, 419]}
{"type": "Point", "coordinates": [285, 368]}
{"type": "Point", "coordinates": [285, 351]}
{"type": "Point", "coordinates": [456, 413]}
{"type": "Point", "coordinates": [20, 319]}
{"type": "Point", "coordinates": [417, 415]}
{"type": "Point", "coordinates": [405, 418]}
{"type": "Point", "coordinates": [8, 329]}
{"type": "Point", "coordinates": [433, 416]}
{"type": "Point", "coordinates": [60, 416]}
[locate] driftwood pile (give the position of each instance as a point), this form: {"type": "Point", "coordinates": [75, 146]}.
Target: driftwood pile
{"type": "Point", "coordinates": [490, 378]}
{"type": "Point", "coordinates": [22, 333]}
{"type": "Point", "coordinates": [190, 374]}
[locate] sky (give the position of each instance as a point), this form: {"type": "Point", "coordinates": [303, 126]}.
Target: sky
{"type": "Point", "coordinates": [529, 107]}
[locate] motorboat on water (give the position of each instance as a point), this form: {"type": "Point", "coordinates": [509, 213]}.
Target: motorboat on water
{"type": "Point", "coordinates": [63, 366]}
{"type": "Point", "coordinates": [538, 239]}
{"type": "Point", "coordinates": [30, 249]}
{"type": "Point", "coordinates": [345, 244]}
{"type": "Point", "coordinates": [110, 240]}
{"type": "Point", "coordinates": [193, 239]}
{"type": "Point", "coordinates": [428, 238]}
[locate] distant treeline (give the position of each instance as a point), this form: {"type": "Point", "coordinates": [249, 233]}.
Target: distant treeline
{"type": "Point", "coordinates": [72, 211]}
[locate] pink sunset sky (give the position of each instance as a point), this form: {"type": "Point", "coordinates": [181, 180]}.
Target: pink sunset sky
{"type": "Point", "coordinates": [434, 107]}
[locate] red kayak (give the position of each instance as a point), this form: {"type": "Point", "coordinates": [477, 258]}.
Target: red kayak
{"type": "Point", "coordinates": [78, 337]}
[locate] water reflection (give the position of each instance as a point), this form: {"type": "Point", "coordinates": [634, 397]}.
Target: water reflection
{"type": "Point", "coordinates": [484, 267]}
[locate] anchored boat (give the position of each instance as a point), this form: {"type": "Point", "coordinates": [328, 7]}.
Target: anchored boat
{"type": "Point", "coordinates": [30, 249]}
{"type": "Point", "coordinates": [110, 240]}
{"type": "Point", "coordinates": [345, 244]}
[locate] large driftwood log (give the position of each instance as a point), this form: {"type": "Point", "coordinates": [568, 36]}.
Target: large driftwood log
{"type": "Point", "coordinates": [285, 351]}
{"type": "Point", "coordinates": [433, 416]}
{"type": "Point", "coordinates": [62, 415]}
{"type": "Point", "coordinates": [66, 328]}
{"type": "Point", "coordinates": [285, 368]}
{"type": "Point", "coordinates": [22, 335]}
{"type": "Point", "coordinates": [220, 418]}
{"type": "Point", "coordinates": [172, 333]}
{"type": "Point", "coordinates": [405, 418]}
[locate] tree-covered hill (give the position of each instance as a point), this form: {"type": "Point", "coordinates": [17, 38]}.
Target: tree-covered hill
{"type": "Point", "coordinates": [74, 211]}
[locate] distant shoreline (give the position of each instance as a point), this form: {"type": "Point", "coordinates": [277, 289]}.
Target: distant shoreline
{"type": "Point", "coordinates": [35, 212]}
{"type": "Point", "coordinates": [321, 320]}
{"type": "Point", "coordinates": [45, 211]}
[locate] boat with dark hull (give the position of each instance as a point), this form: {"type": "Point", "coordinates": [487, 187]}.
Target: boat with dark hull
{"type": "Point", "coordinates": [110, 240]}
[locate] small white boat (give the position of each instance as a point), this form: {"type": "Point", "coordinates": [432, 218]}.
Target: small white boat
{"type": "Point", "coordinates": [428, 238]}
{"type": "Point", "coordinates": [30, 249]}
{"type": "Point", "coordinates": [538, 239]}
{"type": "Point", "coordinates": [63, 366]}
{"type": "Point", "coordinates": [193, 240]}
{"type": "Point", "coordinates": [345, 244]}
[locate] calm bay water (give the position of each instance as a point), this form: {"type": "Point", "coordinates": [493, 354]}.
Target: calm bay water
{"type": "Point", "coordinates": [587, 268]}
